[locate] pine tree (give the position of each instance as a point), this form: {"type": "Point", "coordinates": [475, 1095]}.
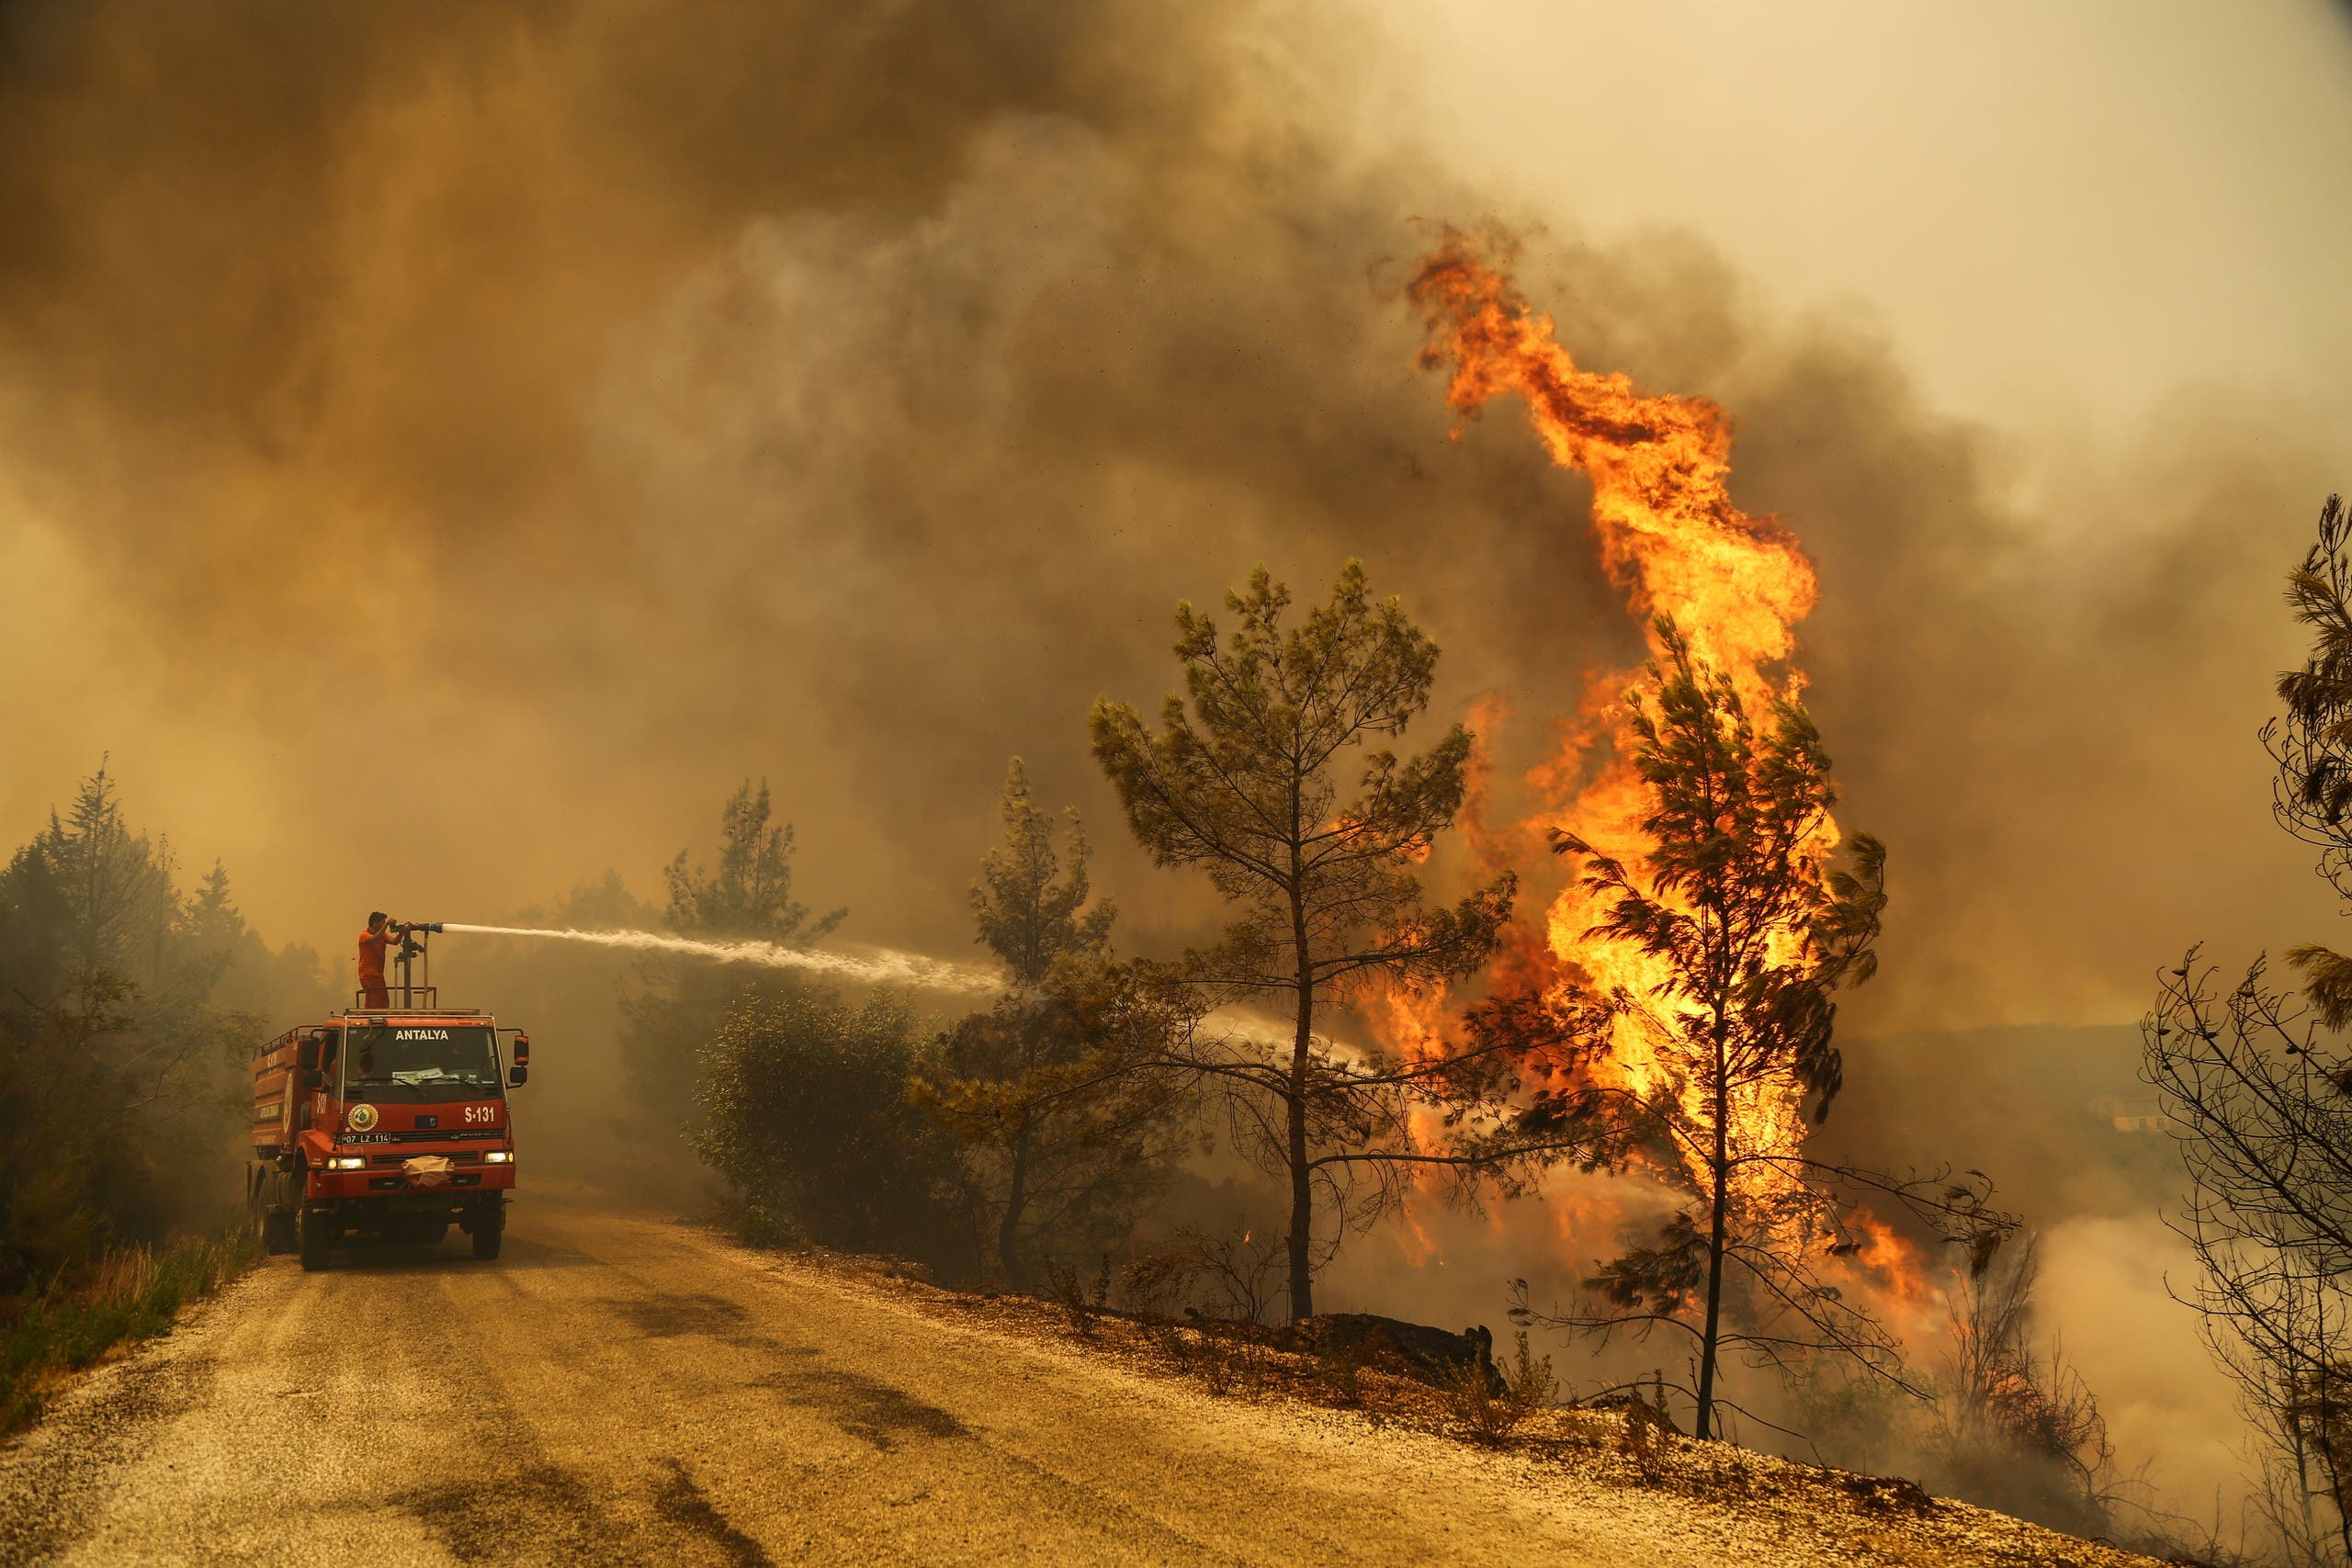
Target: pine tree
{"type": "Point", "coordinates": [117, 883]}
{"type": "Point", "coordinates": [2259, 1099]}
{"type": "Point", "coordinates": [213, 922]}
{"type": "Point", "coordinates": [1269, 780]}
{"type": "Point", "coordinates": [118, 1075]}
{"type": "Point", "coordinates": [749, 895]}
{"type": "Point", "coordinates": [1754, 937]}
{"type": "Point", "coordinates": [1057, 1087]}
{"type": "Point", "coordinates": [1031, 912]}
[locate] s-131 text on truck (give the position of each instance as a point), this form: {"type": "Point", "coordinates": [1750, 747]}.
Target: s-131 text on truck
{"type": "Point", "coordinates": [388, 1122]}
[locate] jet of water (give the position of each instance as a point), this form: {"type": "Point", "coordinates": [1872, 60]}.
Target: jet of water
{"type": "Point", "coordinates": [881, 965]}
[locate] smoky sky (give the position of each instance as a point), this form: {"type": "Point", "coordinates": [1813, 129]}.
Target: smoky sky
{"type": "Point", "coordinates": [443, 450]}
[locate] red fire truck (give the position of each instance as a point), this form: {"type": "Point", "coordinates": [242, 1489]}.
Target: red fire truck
{"type": "Point", "coordinates": [388, 1123]}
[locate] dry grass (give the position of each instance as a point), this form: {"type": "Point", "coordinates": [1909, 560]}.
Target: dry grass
{"type": "Point", "coordinates": [1490, 1401]}
{"type": "Point", "coordinates": [1340, 1371]}
{"type": "Point", "coordinates": [1645, 1440]}
{"type": "Point", "coordinates": [1083, 1305]}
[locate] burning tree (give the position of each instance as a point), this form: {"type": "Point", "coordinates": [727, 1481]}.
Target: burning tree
{"type": "Point", "coordinates": [2015, 1427]}
{"type": "Point", "coordinates": [1247, 784]}
{"type": "Point", "coordinates": [1048, 1086]}
{"type": "Point", "coordinates": [2262, 1110]}
{"type": "Point", "coordinates": [1691, 966]}
{"type": "Point", "coordinates": [1716, 1052]}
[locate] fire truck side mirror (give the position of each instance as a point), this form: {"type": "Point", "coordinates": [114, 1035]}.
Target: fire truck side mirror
{"type": "Point", "coordinates": [313, 1078]}
{"type": "Point", "coordinates": [518, 1075]}
{"type": "Point", "coordinates": [306, 1054]}
{"type": "Point", "coordinates": [522, 1049]}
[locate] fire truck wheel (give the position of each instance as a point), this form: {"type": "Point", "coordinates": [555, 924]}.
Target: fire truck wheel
{"type": "Point", "coordinates": [489, 1231]}
{"type": "Point", "coordinates": [315, 1232]}
{"type": "Point", "coordinates": [276, 1232]}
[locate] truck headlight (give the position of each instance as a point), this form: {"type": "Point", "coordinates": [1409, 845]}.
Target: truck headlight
{"type": "Point", "coordinates": [499, 1156]}
{"type": "Point", "coordinates": [349, 1162]}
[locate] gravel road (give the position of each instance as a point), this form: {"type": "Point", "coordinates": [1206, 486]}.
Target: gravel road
{"type": "Point", "coordinates": [621, 1389]}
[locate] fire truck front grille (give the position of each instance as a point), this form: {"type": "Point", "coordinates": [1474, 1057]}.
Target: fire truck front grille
{"type": "Point", "coordinates": [455, 1156]}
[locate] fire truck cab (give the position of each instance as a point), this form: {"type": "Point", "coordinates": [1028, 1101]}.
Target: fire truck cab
{"type": "Point", "coordinates": [389, 1123]}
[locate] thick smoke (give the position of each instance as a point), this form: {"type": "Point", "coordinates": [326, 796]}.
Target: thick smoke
{"type": "Point", "coordinates": [610, 401]}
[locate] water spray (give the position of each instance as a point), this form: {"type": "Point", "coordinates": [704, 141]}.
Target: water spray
{"type": "Point", "coordinates": [878, 966]}
{"type": "Point", "coordinates": [881, 966]}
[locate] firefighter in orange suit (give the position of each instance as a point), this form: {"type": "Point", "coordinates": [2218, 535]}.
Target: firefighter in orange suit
{"type": "Point", "coordinates": [380, 935]}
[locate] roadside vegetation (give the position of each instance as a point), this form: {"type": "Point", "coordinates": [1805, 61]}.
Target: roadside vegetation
{"type": "Point", "coordinates": [2256, 1079]}
{"type": "Point", "coordinates": [131, 1293]}
{"type": "Point", "coordinates": [1068, 1137]}
{"type": "Point", "coordinates": [129, 1005]}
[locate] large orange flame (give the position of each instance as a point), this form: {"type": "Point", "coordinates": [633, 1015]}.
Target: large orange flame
{"type": "Point", "coordinates": [1735, 584]}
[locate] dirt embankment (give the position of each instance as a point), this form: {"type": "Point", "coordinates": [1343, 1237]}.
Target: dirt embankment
{"type": "Point", "coordinates": [619, 1388]}
{"type": "Point", "coordinates": [1401, 1378]}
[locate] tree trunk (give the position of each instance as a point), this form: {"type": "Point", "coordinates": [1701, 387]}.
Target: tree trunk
{"type": "Point", "coordinates": [1302, 1176]}
{"type": "Point", "coordinates": [1008, 1231]}
{"type": "Point", "coordinates": [1719, 1169]}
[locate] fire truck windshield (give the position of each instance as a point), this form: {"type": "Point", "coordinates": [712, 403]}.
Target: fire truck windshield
{"type": "Point", "coordinates": [420, 1063]}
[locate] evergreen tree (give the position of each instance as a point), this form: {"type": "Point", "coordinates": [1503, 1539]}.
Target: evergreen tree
{"type": "Point", "coordinates": [1052, 1089]}
{"type": "Point", "coordinates": [2259, 1099]}
{"type": "Point", "coordinates": [1270, 782]}
{"type": "Point", "coordinates": [805, 1114]}
{"type": "Point", "coordinates": [214, 922]}
{"type": "Point", "coordinates": [1031, 912]}
{"type": "Point", "coordinates": [750, 895]}
{"type": "Point", "coordinates": [120, 1079]}
{"type": "Point", "coordinates": [116, 884]}
{"type": "Point", "coordinates": [2312, 748]}
{"type": "Point", "coordinates": [1753, 936]}
{"type": "Point", "coordinates": [747, 896]}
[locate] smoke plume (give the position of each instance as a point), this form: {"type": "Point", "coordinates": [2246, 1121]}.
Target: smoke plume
{"type": "Point", "coordinates": [598, 404]}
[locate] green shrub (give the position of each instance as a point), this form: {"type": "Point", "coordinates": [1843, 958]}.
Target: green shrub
{"type": "Point", "coordinates": [807, 1116]}
{"type": "Point", "coordinates": [131, 1293]}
